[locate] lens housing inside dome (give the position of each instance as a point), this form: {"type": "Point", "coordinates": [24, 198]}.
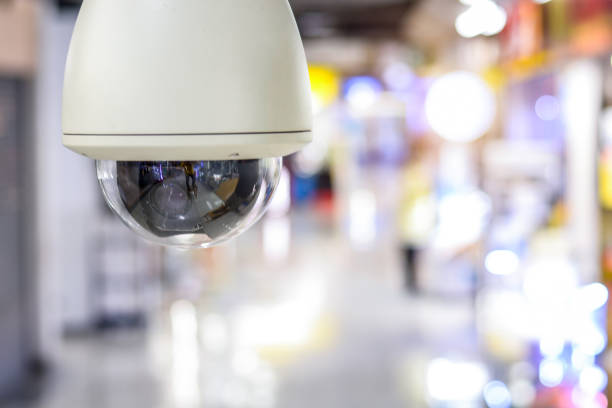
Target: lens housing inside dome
{"type": "Point", "coordinates": [191, 203]}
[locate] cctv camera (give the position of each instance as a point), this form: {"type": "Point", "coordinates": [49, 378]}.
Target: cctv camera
{"type": "Point", "coordinates": [188, 109]}
{"type": "Point", "coordinates": [191, 203]}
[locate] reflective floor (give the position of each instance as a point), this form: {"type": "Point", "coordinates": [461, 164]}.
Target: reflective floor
{"type": "Point", "coordinates": [333, 330]}
{"type": "Point", "coordinates": [360, 360]}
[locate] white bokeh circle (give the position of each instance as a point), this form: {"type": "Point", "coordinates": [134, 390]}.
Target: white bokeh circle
{"type": "Point", "coordinates": [460, 107]}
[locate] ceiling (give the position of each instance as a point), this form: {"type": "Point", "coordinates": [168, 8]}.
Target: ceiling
{"type": "Point", "coordinates": [350, 18]}
{"type": "Point", "coordinates": [338, 18]}
{"type": "Point", "coordinates": [298, 4]}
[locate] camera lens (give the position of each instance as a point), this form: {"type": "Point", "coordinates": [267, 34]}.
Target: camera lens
{"type": "Point", "coordinates": [170, 199]}
{"type": "Point", "coordinates": [189, 204]}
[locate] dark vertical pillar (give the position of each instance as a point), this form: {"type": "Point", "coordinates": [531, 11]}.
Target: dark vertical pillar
{"type": "Point", "coordinates": [13, 292]}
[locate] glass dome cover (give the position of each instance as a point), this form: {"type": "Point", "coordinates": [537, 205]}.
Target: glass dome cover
{"type": "Point", "coordinates": [189, 204]}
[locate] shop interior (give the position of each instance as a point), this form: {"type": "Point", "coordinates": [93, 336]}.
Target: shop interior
{"type": "Point", "coordinates": [445, 241]}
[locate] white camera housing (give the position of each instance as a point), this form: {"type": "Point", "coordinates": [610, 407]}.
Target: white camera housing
{"type": "Point", "coordinates": [187, 81]}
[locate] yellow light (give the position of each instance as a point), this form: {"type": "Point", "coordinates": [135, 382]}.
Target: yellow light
{"type": "Point", "coordinates": [605, 180]}
{"type": "Point", "coordinates": [495, 77]}
{"type": "Point", "coordinates": [325, 84]}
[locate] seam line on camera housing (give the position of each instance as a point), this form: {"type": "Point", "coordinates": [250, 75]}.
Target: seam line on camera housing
{"type": "Point", "coordinates": [188, 134]}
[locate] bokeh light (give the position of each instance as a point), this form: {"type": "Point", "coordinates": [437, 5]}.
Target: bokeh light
{"type": "Point", "coordinates": [548, 107]}
{"type": "Point", "coordinates": [460, 107]}
{"type": "Point", "coordinates": [502, 262]}
{"type": "Point", "coordinates": [551, 372]}
{"type": "Point", "coordinates": [593, 379]}
{"type": "Point", "coordinates": [362, 92]}
{"type": "Point", "coordinates": [483, 17]}
{"type": "Point", "coordinates": [452, 381]}
{"type": "Point", "coordinates": [497, 395]}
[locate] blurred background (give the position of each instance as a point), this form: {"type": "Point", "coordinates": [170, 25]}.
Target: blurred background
{"type": "Point", "coordinates": [445, 241]}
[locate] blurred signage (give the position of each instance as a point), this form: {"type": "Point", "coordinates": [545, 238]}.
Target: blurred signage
{"type": "Point", "coordinates": [584, 9]}
{"type": "Point", "coordinates": [533, 28]}
{"type": "Point", "coordinates": [524, 30]}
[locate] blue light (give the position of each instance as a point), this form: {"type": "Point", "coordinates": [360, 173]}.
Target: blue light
{"type": "Point", "coordinates": [497, 395]}
{"type": "Point", "coordinates": [361, 92]}
{"type": "Point", "coordinates": [361, 82]}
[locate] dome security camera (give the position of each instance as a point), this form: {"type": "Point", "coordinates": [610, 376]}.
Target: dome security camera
{"type": "Point", "coordinates": [188, 107]}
